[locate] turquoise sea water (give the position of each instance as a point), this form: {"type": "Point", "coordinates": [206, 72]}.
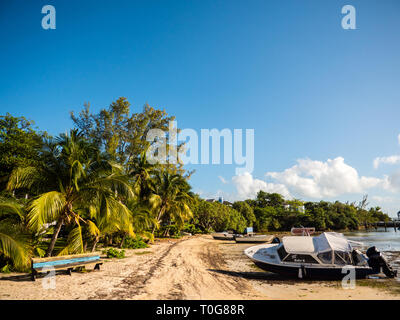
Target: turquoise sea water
{"type": "Point", "coordinates": [387, 242]}
{"type": "Point", "coordinates": [383, 241]}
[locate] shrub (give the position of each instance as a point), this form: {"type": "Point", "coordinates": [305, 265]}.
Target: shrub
{"type": "Point", "coordinates": [191, 228]}
{"type": "Point", "coordinates": [134, 243]}
{"type": "Point", "coordinates": [114, 253]}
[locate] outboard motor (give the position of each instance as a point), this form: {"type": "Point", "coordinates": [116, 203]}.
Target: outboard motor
{"type": "Point", "coordinates": [276, 240]}
{"type": "Point", "coordinates": [376, 261]}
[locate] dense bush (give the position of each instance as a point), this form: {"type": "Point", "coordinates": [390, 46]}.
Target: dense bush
{"type": "Point", "coordinates": [191, 228]}
{"type": "Point", "coordinates": [271, 212]}
{"type": "Point", "coordinates": [114, 253]}
{"type": "Point", "coordinates": [215, 216]}
{"type": "Point", "coordinates": [134, 243]}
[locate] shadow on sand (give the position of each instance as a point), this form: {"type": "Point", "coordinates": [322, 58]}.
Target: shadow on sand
{"type": "Point", "coordinates": [269, 276]}
{"type": "Point", "coordinates": [27, 276]}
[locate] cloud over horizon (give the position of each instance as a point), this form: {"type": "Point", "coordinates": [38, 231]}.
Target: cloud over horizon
{"type": "Point", "coordinates": [313, 179]}
{"type": "Point", "coordinates": [247, 187]}
{"type": "Point", "coordinates": [317, 179]}
{"type": "Point", "coordinates": [386, 160]}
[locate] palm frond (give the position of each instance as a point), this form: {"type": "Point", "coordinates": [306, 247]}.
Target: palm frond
{"type": "Point", "coordinates": [45, 209]}
{"type": "Point", "coordinates": [8, 206]}
{"type": "Point", "coordinates": [15, 246]}
{"type": "Point", "coordinates": [23, 178]}
{"type": "Point", "coordinates": [74, 242]}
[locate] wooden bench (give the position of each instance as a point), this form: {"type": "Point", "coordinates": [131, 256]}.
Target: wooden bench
{"type": "Point", "coordinates": [68, 263]}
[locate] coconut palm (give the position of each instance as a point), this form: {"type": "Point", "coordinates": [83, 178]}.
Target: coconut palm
{"type": "Point", "coordinates": [73, 176]}
{"type": "Point", "coordinates": [141, 171]}
{"type": "Point", "coordinates": [171, 198]}
{"type": "Point", "coordinates": [15, 242]}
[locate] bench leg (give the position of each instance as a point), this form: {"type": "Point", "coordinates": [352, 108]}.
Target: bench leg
{"type": "Point", "coordinates": [69, 271]}
{"type": "Point", "coordinates": [97, 266]}
{"type": "Point", "coordinates": [33, 275]}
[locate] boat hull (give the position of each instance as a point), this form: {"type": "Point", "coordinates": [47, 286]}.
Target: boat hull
{"type": "Point", "coordinates": [223, 236]}
{"type": "Point", "coordinates": [254, 239]}
{"type": "Point", "coordinates": [312, 272]}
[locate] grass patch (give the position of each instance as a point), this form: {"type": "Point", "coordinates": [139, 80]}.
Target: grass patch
{"type": "Point", "coordinates": [142, 252]}
{"type": "Point", "coordinates": [391, 285]}
{"type": "Point", "coordinates": [114, 253]}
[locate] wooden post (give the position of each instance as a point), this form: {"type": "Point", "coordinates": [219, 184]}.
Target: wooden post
{"type": "Point", "coordinates": [385, 226]}
{"type": "Point", "coordinates": [394, 225]}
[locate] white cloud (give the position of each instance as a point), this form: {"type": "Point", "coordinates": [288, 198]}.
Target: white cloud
{"type": "Point", "coordinates": [317, 179]}
{"type": "Point", "coordinates": [392, 182]}
{"type": "Point", "coordinates": [383, 199]}
{"type": "Point", "coordinates": [222, 180]}
{"type": "Point", "coordinates": [247, 187]}
{"type": "Point", "coordinates": [388, 160]}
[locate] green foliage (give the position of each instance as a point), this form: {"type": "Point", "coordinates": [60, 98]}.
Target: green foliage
{"type": "Point", "coordinates": [321, 215]}
{"type": "Point", "coordinates": [191, 228]}
{"type": "Point", "coordinates": [218, 217]}
{"type": "Point", "coordinates": [114, 253]}
{"type": "Point", "coordinates": [134, 243]}
{"type": "Point", "coordinates": [246, 211]}
{"type": "Point", "coordinates": [20, 144]}
{"type": "Point", "coordinates": [120, 132]}
{"type": "Point", "coordinates": [95, 185]}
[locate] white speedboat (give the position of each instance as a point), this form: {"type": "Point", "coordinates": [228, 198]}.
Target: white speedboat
{"type": "Point", "coordinates": [223, 236]}
{"type": "Point", "coordinates": [254, 238]}
{"type": "Point", "coordinates": [328, 256]}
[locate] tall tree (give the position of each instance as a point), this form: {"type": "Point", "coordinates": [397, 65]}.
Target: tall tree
{"type": "Point", "coordinates": [119, 132]}
{"type": "Point", "coordinates": [73, 177]}
{"type": "Point", "coordinates": [171, 198]}
{"type": "Point", "coordinates": [20, 145]}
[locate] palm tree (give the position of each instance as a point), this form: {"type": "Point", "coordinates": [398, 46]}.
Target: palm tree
{"type": "Point", "coordinates": [171, 198]}
{"type": "Point", "coordinates": [15, 242]}
{"type": "Point", "coordinates": [141, 170]}
{"type": "Point", "coordinates": [73, 176]}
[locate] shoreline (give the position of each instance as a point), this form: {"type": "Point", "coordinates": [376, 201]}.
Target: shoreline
{"type": "Point", "coordinates": [193, 267]}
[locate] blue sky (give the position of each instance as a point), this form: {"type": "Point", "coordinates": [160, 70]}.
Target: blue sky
{"type": "Point", "coordinates": [287, 69]}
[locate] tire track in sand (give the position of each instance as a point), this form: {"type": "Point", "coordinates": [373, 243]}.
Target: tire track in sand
{"type": "Point", "coordinates": [187, 269]}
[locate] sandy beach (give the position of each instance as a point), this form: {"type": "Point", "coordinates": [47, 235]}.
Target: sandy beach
{"type": "Point", "coordinates": [196, 267]}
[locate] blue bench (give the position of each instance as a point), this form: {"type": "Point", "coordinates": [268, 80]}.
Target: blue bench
{"type": "Point", "coordinates": [68, 263]}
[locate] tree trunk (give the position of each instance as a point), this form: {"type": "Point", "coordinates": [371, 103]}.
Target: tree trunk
{"type": "Point", "coordinates": [54, 238]}
{"type": "Point", "coordinates": [94, 244]}
{"type": "Point", "coordinates": [122, 242]}
{"type": "Point", "coordinates": [158, 219]}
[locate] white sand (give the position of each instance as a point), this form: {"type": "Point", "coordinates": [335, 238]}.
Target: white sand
{"type": "Point", "coordinates": [190, 268]}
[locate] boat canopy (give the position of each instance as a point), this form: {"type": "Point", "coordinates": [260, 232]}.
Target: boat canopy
{"type": "Point", "coordinates": [327, 241]}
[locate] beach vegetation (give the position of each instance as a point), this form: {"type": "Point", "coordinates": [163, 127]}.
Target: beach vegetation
{"type": "Point", "coordinates": [114, 253]}
{"type": "Point", "coordinates": [94, 187]}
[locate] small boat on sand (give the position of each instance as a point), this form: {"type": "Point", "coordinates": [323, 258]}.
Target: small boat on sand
{"type": "Point", "coordinates": [254, 238]}
{"type": "Point", "coordinates": [302, 231]}
{"type": "Point", "coordinates": [223, 236]}
{"type": "Point", "coordinates": [327, 256]}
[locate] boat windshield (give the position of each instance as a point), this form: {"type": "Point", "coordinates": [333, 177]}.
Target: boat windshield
{"type": "Point", "coordinates": [342, 258]}
{"type": "Point", "coordinates": [304, 258]}
{"type": "Point", "coordinates": [282, 252]}
{"type": "Point", "coordinates": [325, 257]}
